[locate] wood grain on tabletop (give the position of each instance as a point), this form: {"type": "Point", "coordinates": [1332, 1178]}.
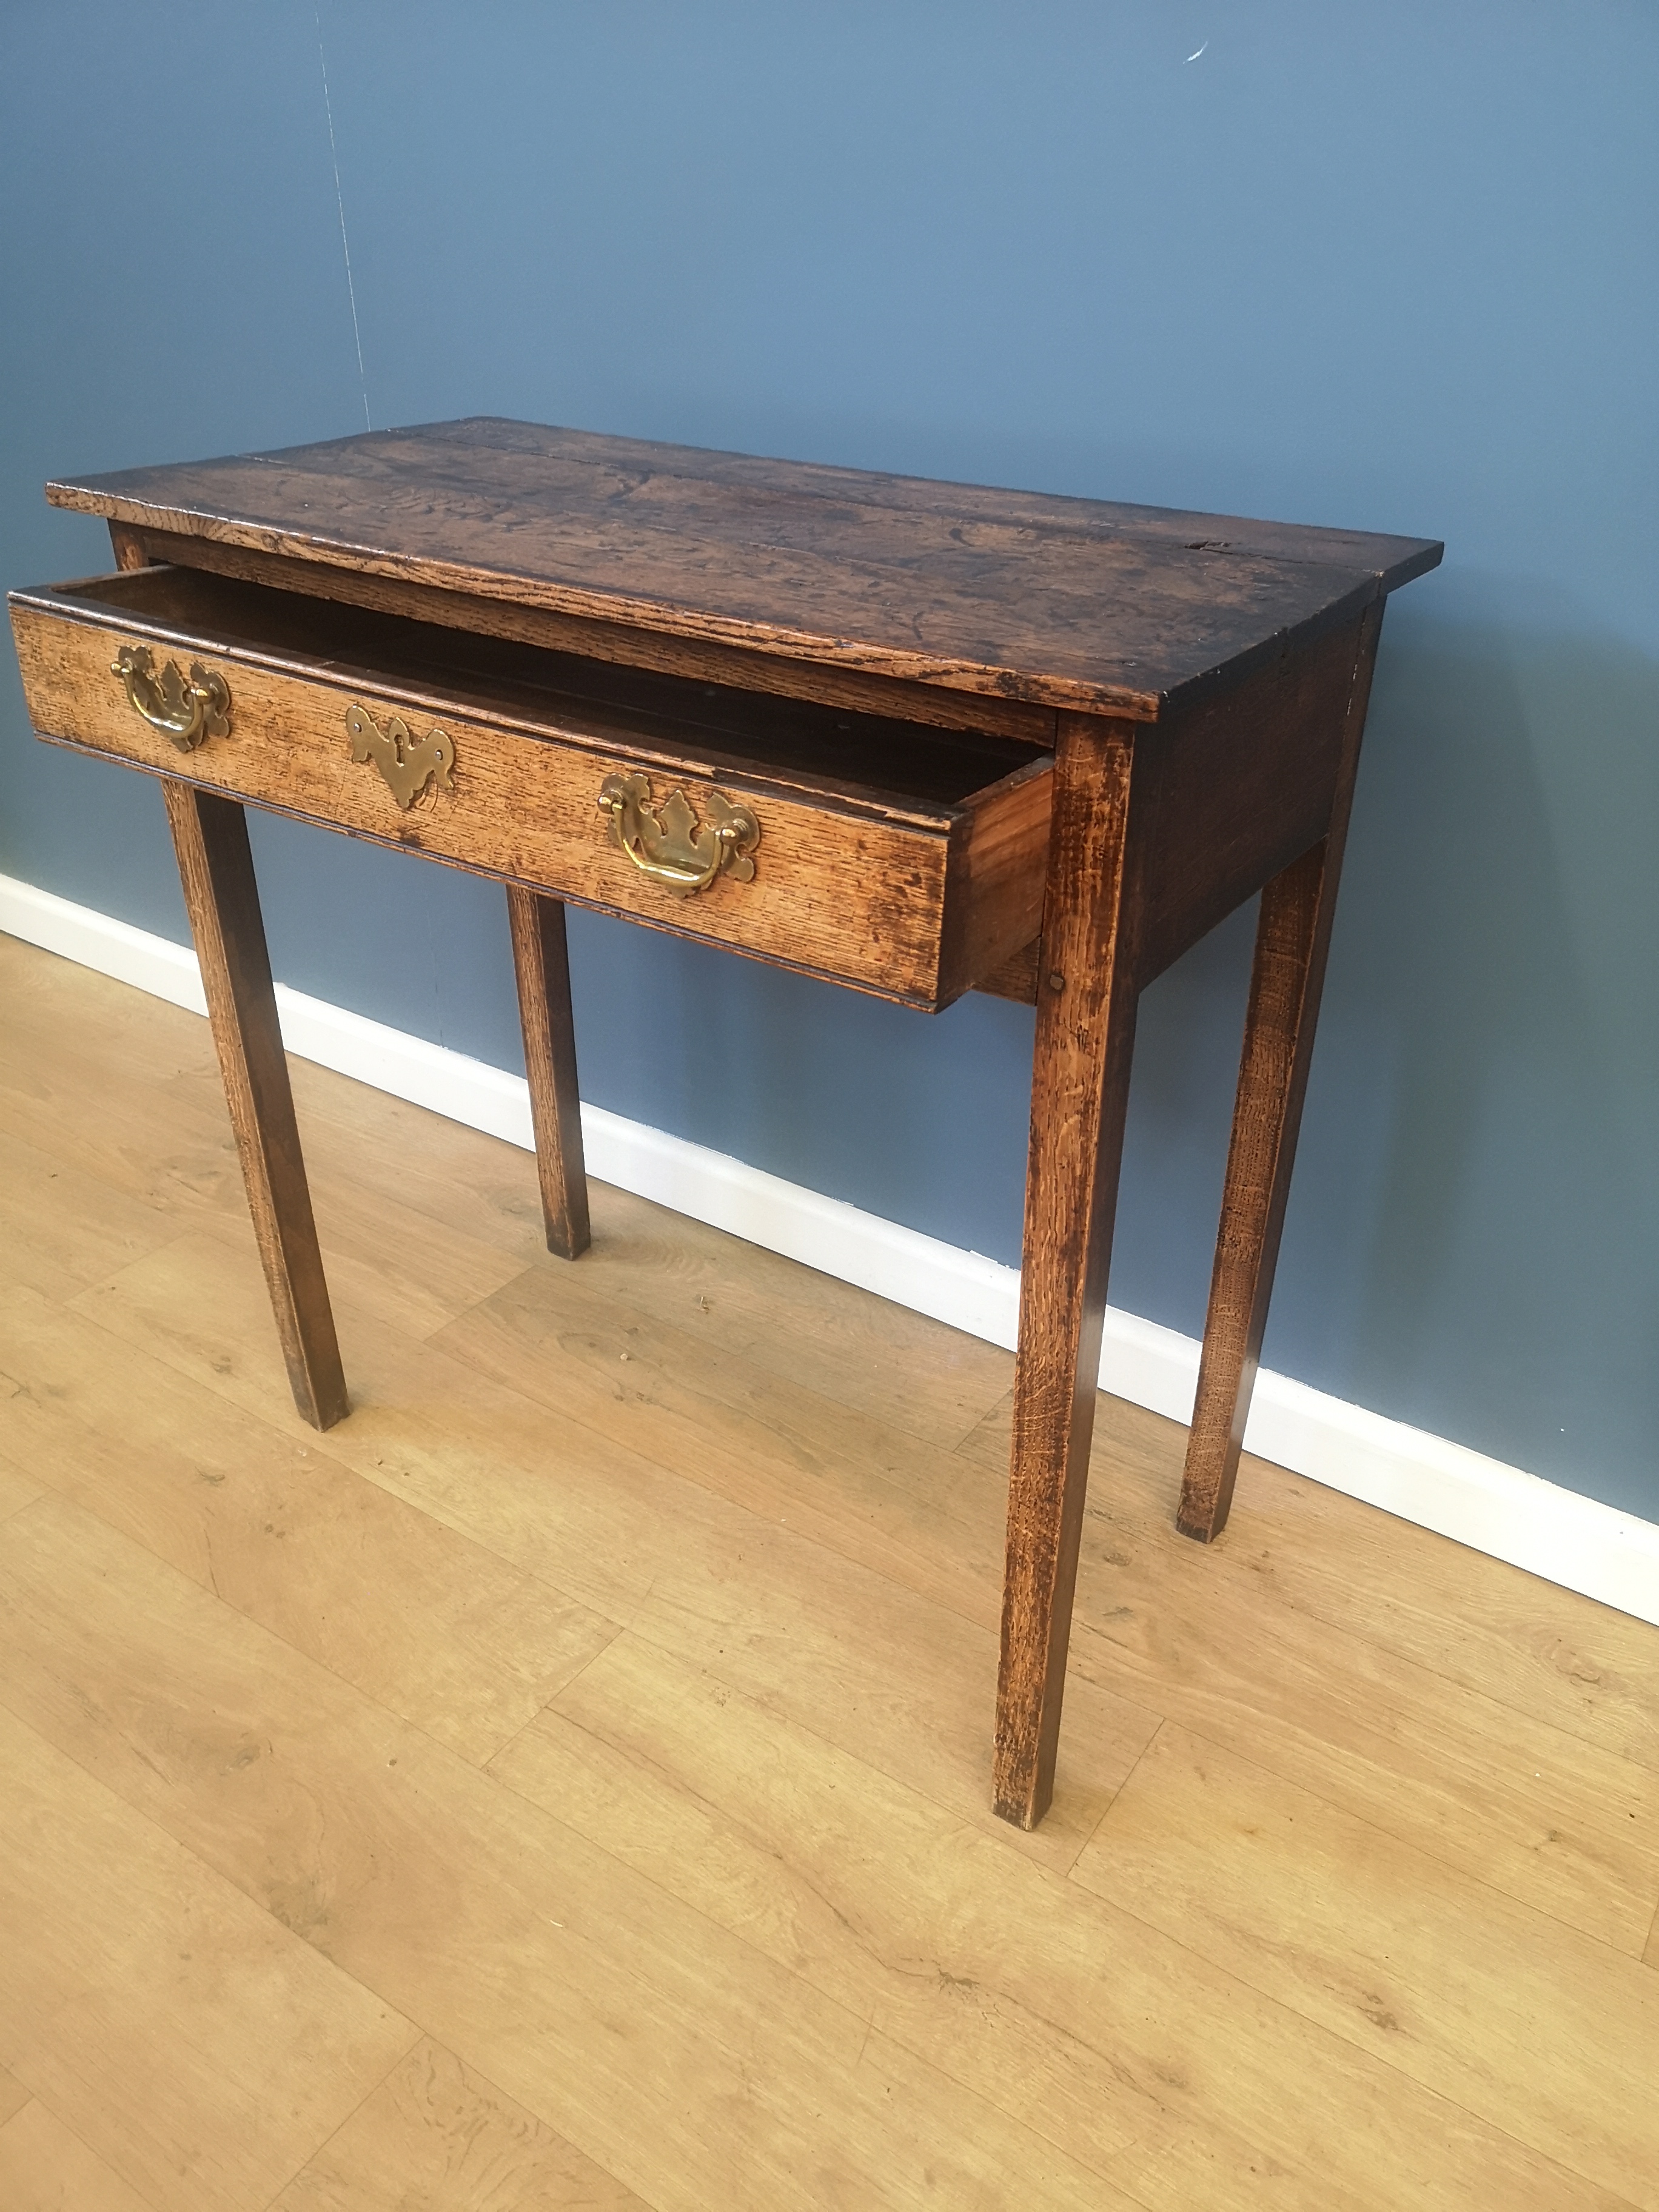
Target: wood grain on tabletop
{"type": "Point", "coordinates": [472, 615]}
{"type": "Point", "coordinates": [1069, 602]}
{"type": "Point", "coordinates": [724, 1918]}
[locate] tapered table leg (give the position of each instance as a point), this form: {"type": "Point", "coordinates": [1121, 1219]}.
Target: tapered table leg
{"type": "Point", "coordinates": [543, 967]}
{"type": "Point", "coordinates": [209, 836]}
{"type": "Point", "coordinates": [1292, 940]}
{"type": "Point", "coordinates": [1080, 1083]}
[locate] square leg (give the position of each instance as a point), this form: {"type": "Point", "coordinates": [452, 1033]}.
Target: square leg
{"type": "Point", "coordinates": [1080, 1084]}
{"type": "Point", "coordinates": [210, 836]}
{"type": "Point", "coordinates": [542, 965]}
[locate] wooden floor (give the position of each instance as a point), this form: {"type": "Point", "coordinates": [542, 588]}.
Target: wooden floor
{"type": "Point", "coordinates": [565, 1783]}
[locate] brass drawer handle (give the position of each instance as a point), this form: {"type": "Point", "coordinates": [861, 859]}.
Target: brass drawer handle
{"type": "Point", "coordinates": [670, 845]}
{"type": "Point", "coordinates": [405, 763]}
{"type": "Point", "coordinates": [186, 712]}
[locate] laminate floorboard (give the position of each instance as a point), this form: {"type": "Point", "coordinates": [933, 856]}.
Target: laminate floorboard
{"type": "Point", "coordinates": [13, 2096]}
{"type": "Point", "coordinates": [16, 1488]}
{"type": "Point", "coordinates": [439, 1628]}
{"type": "Point", "coordinates": [43, 2167]}
{"type": "Point", "coordinates": [564, 1783]}
{"type": "Point", "coordinates": [437, 2137]}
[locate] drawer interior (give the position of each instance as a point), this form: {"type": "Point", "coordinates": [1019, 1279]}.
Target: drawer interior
{"type": "Point", "coordinates": [886, 764]}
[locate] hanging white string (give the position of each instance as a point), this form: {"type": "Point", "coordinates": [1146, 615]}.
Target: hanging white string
{"type": "Point", "coordinates": [339, 202]}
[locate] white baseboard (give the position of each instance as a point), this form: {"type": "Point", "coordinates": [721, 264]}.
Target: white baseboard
{"type": "Point", "coordinates": [1552, 1532]}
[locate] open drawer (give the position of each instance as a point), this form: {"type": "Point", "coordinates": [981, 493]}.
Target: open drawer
{"type": "Point", "coordinates": [903, 858]}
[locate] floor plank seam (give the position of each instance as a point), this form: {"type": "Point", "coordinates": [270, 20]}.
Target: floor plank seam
{"type": "Point", "coordinates": [849, 1553]}
{"type": "Point", "coordinates": [424, 2028]}
{"type": "Point", "coordinates": [1106, 1810]}
{"type": "Point", "coordinates": [298, 1651]}
{"type": "Point", "coordinates": [48, 2107]}
{"type": "Point", "coordinates": [428, 2029]}
{"type": "Point", "coordinates": [1347, 1628]}
{"type": "Point", "coordinates": [1260, 1758]}
{"type": "Point", "coordinates": [1610, 2199]}
{"type": "Point", "coordinates": [316, 2149]}
{"type": "Point", "coordinates": [799, 1908]}
{"type": "Point", "coordinates": [485, 1765]}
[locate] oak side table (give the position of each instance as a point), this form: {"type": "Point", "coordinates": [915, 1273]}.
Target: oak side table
{"type": "Point", "coordinates": [916, 738]}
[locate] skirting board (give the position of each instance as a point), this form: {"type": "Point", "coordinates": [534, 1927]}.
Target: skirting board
{"type": "Point", "coordinates": [1554, 1533]}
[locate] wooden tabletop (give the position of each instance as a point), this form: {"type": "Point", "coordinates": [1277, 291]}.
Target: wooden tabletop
{"type": "Point", "coordinates": [1064, 602]}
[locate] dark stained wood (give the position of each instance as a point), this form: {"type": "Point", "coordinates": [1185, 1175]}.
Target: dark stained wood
{"type": "Point", "coordinates": [1017, 978]}
{"type": "Point", "coordinates": [1231, 791]}
{"type": "Point", "coordinates": [878, 760]}
{"type": "Point", "coordinates": [882, 666]}
{"type": "Point", "coordinates": [209, 836]}
{"type": "Point", "coordinates": [632, 648]}
{"type": "Point", "coordinates": [1292, 941]}
{"type": "Point", "coordinates": [1066, 604]}
{"type": "Point", "coordinates": [541, 963]}
{"type": "Point", "coordinates": [1080, 1086]}
{"type": "Point", "coordinates": [130, 549]}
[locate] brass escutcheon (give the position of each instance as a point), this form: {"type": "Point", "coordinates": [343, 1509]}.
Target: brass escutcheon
{"type": "Point", "coordinates": [405, 762]}
{"type": "Point", "coordinates": [187, 711]}
{"type": "Point", "coordinates": [670, 845]}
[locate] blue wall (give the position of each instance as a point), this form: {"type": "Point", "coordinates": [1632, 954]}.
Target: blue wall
{"type": "Point", "coordinates": [1394, 267]}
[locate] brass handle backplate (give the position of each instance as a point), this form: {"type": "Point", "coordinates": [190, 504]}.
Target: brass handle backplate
{"type": "Point", "coordinates": [670, 845]}
{"type": "Point", "coordinates": [185, 709]}
{"type": "Point", "coordinates": [405, 763]}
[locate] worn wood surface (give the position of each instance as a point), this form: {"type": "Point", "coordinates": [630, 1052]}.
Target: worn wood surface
{"type": "Point", "coordinates": [854, 884]}
{"type": "Point", "coordinates": [1229, 645]}
{"type": "Point", "coordinates": [1233, 790]}
{"type": "Point", "coordinates": [1065, 603]}
{"type": "Point", "coordinates": [880, 760]}
{"type": "Point", "coordinates": [1017, 978]}
{"type": "Point", "coordinates": [129, 547]}
{"type": "Point", "coordinates": [1079, 1091]}
{"type": "Point", "coordinates": [1287, 976]}
{"type": "Point", "coordinates": [616, 643]}
{"type": "Point", "coordinates": [542, 967]}
{"type": "Point", "coordinates": [216, 867]}
{"type": "Point", "coordinates": [1343, 1900]}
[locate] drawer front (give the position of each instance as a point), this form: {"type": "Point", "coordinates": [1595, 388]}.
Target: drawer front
{"type": "Point", "coordinates": [842, 893]}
